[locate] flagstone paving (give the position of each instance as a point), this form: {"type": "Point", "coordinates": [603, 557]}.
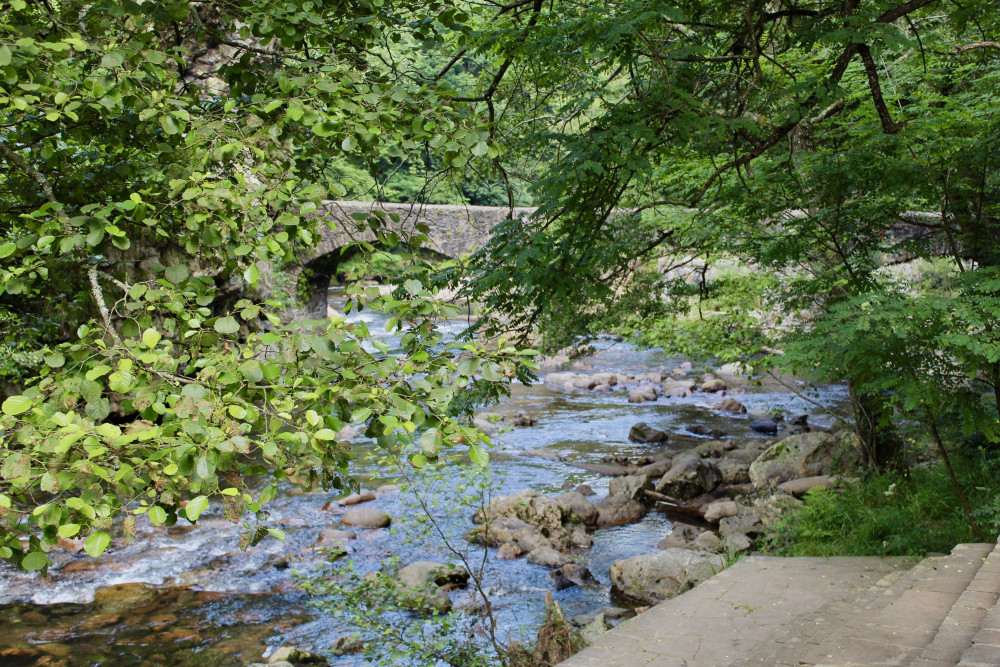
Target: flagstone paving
{"type": "Point", "coordinates": [822, 611]}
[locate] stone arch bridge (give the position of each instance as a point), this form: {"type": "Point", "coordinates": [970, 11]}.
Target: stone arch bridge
{"type": "Point", "coordinates": [452, 231]}
{"type": "Point", "coordinates": [455, 231]}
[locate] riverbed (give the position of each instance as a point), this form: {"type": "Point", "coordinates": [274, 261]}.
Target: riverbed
{"type": "Point", "coordinates": [212, 604]}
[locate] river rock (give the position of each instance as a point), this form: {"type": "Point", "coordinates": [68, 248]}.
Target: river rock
{"type": "Point", "coordinates": [560, 378]}
{"type": "Point", "coordinates": [584, 490]}
{"type": "Point", "coordinates": [678, 388]}
{"type": "Point", "coordinates": [803, 455]}
{"type": "Point", "coordinates": [592, 631]}
{"type": "Point", "coordinates": [609, 379]}
{"type": "Point", "coordinates": [800, 487]}
{"type": "Point", "coordinates": [713, 385]}
{"type": "Point", "coordinates": [519, 419]}
{"type": "Point", "coordinates": [698, 429]}
{"type": "Point", "coordinates": [707, 541]}
{"type": "Point", "coordinates": [346, 644]}
{"type": "Point", "coordinates": [365, 517]}
{"type": "Point", "coordinates": [423, 585]}
{"type": "Point", "coordinates": [643, 432]}
{"type": "Point", "coordinates": [682, 536]}
{"type": "Point", "coordinates": [719, 510]}
{"type": "Point", "coordinates": [333, 536]}
{"type": "Point", "coordinates": [631, 486]}
{"type": "Point", "coordinates": [773, 508]}
{"type": "Point", "coordinates": [295, 656]}
{"type": "Point", "coordinates": [731, 405]}
{"type": "Point", "coordinates": [510, 530]}
{"type": "Point", "coordinates": [545, 514]}
{"type": "Point", "coordinates": [604, 388]}
{"type": "Point", "coordinates": [609, 612]}
{"type": "Point", "coordinates": [387, 489]}
{"type": "Point", "coordinates": [657, 577]}
{"type": "Point", "coordinates": [764, 425]}
{"type": "Point", "coordinates": [737, 542]}
{"type": "Point", "coordinates": [547, 557]}
{"type": "Point", "coordinates": [585, 382]}
{"type": "Point", "coordinates": [578, 507]}
{"type": "Point", "coordinates": [509, 551]}
{"type": "Point", "coordinates": [123, 598]}
{"type": "Point", "coordinates": [577, 574]}
{"type": "Point", "coordinates": [689, 479]}
{"type": "Point", "coordinates": [642, 395]}
{"type": "Point", "coordinates": [362, 496]}
{"type": "Point", "coordinates": [619, 510]}
{"type": "Point", "coordinates": [746, 522]}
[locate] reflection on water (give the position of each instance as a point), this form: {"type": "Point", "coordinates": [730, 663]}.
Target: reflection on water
{"type": "Point", "coordinates": [220, 606]}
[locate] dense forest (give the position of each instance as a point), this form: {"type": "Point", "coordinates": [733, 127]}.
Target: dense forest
{"type": "Point", "coordinates": [809, 188]}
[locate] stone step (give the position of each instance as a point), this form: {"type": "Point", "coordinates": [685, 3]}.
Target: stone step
{"type": "Point", "coordinates": [985, 646]}
{"type": "Point", "coordinates": [958, 629]}
{"type": "Point", "coordinates": [725, 618]}
{"type": "Point", "coordinates": [889, 624]}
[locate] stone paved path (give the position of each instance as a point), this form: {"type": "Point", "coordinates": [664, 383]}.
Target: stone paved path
{"type": "Point", "coordinates": [819, 611]}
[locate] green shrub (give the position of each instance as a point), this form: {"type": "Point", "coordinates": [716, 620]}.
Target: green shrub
{"type": "Point", "coordinates": [893, 514]}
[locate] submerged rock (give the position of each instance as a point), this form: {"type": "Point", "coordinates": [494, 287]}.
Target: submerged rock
{"type": "Point", "coordinates": [731, 405]}
{"type": "Point", "coordinates": [764, 425]}
{"type": "Point", "coordinates": [295, 656]}
{"type": "Point", "coordinates": [547, 557]}
{"type": "Point", "coordinates": [366, 517]}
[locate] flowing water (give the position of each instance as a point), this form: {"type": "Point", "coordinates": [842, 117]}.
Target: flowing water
{"type": "Point", "coordinates": [207, 603]}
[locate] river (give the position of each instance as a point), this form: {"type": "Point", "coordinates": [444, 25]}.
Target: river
{"type": "Point", "coordinates": [216, 605]}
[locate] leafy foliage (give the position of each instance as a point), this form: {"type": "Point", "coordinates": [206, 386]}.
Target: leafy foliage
{"type": "Point", "coordinates": [161, 158]}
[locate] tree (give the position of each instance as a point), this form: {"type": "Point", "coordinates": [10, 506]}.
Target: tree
{"type": "Point", "coordinates": [794, 137]}
{"type": "Point", "coordinates": [160, 159]}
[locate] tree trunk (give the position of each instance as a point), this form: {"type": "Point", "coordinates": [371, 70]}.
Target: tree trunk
{"type": "Point", "coordinates": [881, 447]}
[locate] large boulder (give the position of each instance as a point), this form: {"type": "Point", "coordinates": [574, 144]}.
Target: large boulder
{"type": "Point", "coordinates": [681, 536]}
{"type": "Point", "coordinates": [508, 530]}
{"type": "Point", "coordinates": [647, 580]}
{"type": "Point", "coordinates": [585, 382]}
{"type": "Point", "coordinates": [619, 510]}
{"type": "Point", "coordinates": [643, 432]}
{"type": "Point", "coordinates": [802, 455]}
{"type": "Point", "coordinates": [365, 517]}
{"type": "Point", "coordinates": [423, 585]}
{"type": "Point", "coordinates": [578, 508]}
{"type": "Point", "coordinates": [689, 478]}
{"type": "Point", "coordinates": [720, 509]}
{"type": "Point", "coordinates": [631, 486]}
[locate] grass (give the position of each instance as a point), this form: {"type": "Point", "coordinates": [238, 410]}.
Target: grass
{"type": "Point", "coordinates": [893, 514]}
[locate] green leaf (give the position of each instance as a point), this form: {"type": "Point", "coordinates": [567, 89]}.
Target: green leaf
{"type": "Point", "coordinates": [16, 405]}
{"type": "Point", "coordinates": [7, 249]}
{"type": "Point", "coordinates": [113, 59]}
{"type": "Point", "coordinates": [227, 325]}
{"type": "Point", "coordinates": [478, 455]}
{"type": "Point", "coordinates": [171, 125]}
{"type": "Point", "coordinates": [15, 465]}
{"type": "Point", "coordinates": [157, 515]}
{"type": "Point", "coordinates": [97, 543]}
{"type": "Point", "coordinates": [325, 434]}
{"type": "Point", "coordinates": [150, 338]}
{"type": "Point", "coordinates": [195, 507]}
{"type": "Point", "coordinates": [34, 560]}
{"type": "Point", "coordinates": [69, 530]}
{"type": "Point", "coordinates": [418, 460]}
